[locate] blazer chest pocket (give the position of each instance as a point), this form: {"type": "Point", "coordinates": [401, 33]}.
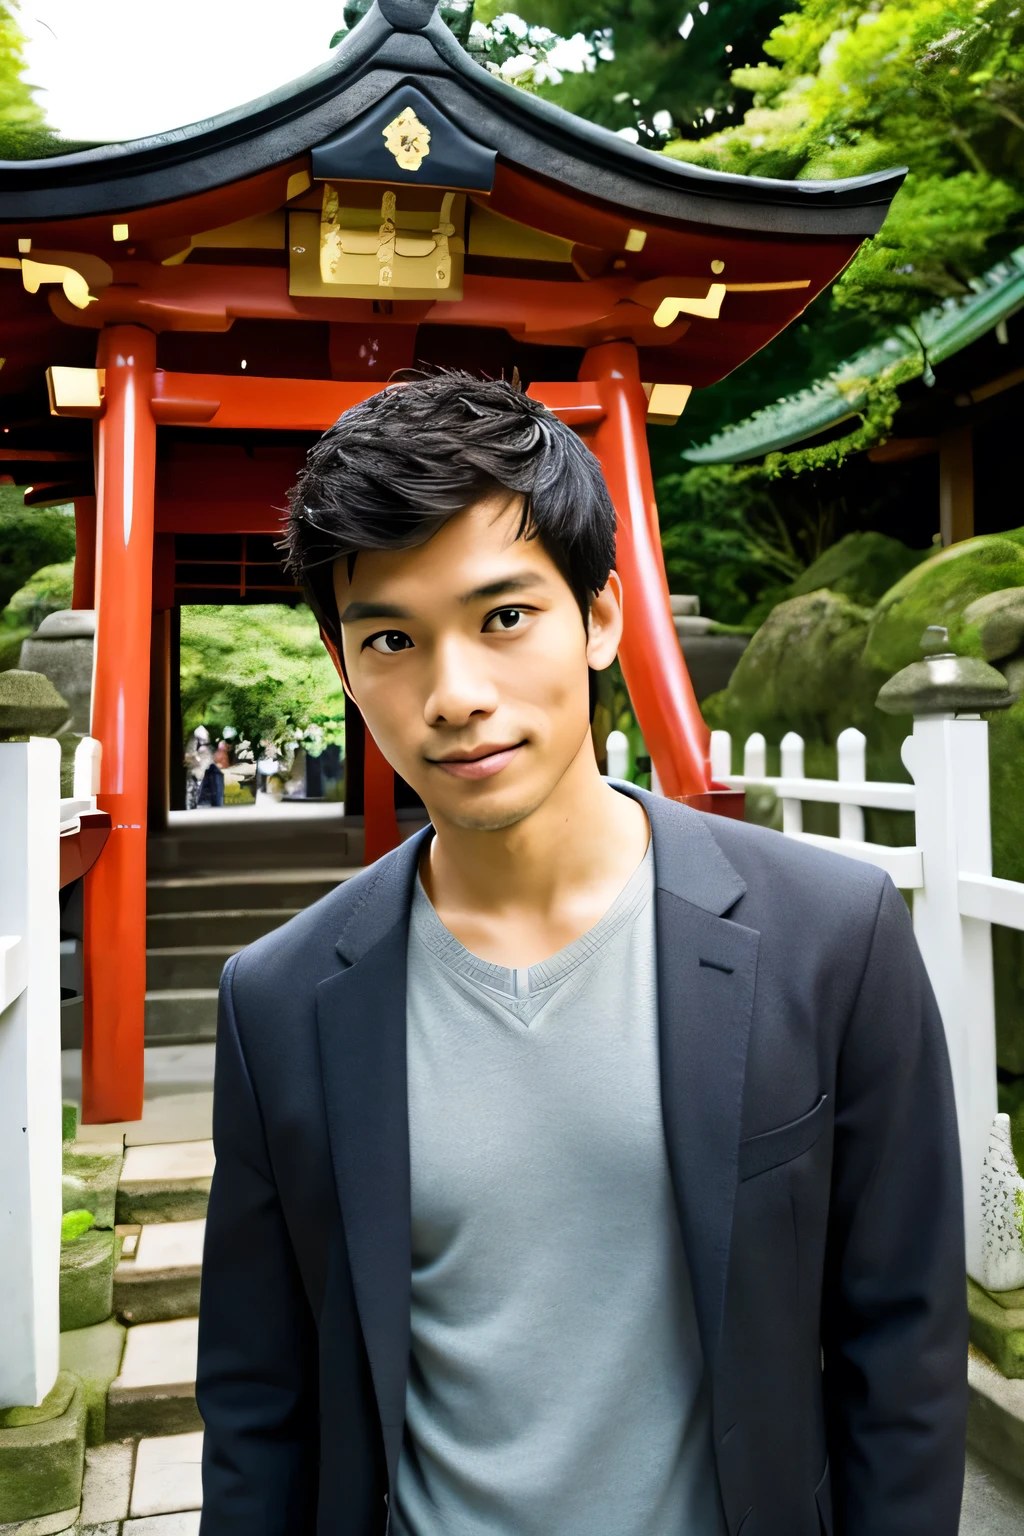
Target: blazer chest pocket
{"type": "Point", "coordinates": [760, 1153]}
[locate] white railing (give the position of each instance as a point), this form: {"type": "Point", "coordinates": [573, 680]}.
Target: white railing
{"type": "Point", "coordinates": [32, 818]}
{"type": "Point", "coordinates": [956, 898]}
{"type": "Point", "coordinates": [30, 1089]}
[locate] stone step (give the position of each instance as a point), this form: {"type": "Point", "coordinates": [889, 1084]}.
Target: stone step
{"type": "Point", "coordinates": [230, 925]}
{"type": "Point", "coordinates": [155, 1485]}
{"type": "Point", "coordinates": [155, 1392]}
{"type": "Point", "coordinates": [995, 1416]}
{"type": "Point", "coordinates": [293, 888]}
{"type": "Point", "coordinates": [165, 1181]}
{"type": "Point", "coordinates": [180, 1015]}
{"type": "Point", "coordinates": [158, 1276]}
{"type": "Point", "coordinates": [197, 965]}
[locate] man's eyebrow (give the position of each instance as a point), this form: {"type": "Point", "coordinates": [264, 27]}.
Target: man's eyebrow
{"type": "Point", "coordinates": [505, 586]}
{"type": "Point", "coordinates": [356, 611]}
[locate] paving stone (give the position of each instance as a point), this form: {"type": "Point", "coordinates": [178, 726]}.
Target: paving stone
{"type": "Point", "coordinates": [997, 1327]}
{"type": "Point", "coordinates": [993, 1503]}
{"type": "Point", "coordinates": [87, 1279]}
{"type": "Point", "coordinates": [155, 1392]}
{"type": "Point", "coordinates": [185, 1524]}
{"type": "Point", "coordinates": [161, 1280]}
{"type": "Point", "coordinates": [168, 1474]}
{"type": "Point", "coordinates": [107, 1488]}
{"type": "Point", "coordinates": [91, 1173]}
{"type": "Point", "coordinates": [41, 1463]}
{"type": "Point", "coordinates": [165, 1182]}
{"type": "Point", "coordinates": [995, 1418]}
{"type": "Point", "coordinates": [94, 1356]}
{"type": "Point", "coordinates": [51, 1525]}
{"type": "Point", "coordinates": [186, 1116]}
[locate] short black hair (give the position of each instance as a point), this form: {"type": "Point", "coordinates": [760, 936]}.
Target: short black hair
{"type": "Point", "coordinates": [394, 469]}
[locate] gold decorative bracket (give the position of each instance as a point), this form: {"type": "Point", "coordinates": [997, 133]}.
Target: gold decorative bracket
{"type": "Point", "coordinates": [75, 391]}
{"type": "Point", "coordinates": [415, 254]}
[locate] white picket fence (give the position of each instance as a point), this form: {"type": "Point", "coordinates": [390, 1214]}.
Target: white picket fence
{"type": "Point", "coordinates": [31, 816]}
{"type": "Point", "coordinates": [948, 868]}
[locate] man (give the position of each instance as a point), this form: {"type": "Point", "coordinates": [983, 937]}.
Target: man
{"type": "Point", "coordinates": [587, 1166]}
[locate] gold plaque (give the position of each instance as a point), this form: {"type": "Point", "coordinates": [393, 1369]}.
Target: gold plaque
{"type": "Point", "coordinates": [408, 140]}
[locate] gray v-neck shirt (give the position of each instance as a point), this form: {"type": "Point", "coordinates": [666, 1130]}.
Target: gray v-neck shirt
{"type": "Point", "coordinates": [556, 1384]}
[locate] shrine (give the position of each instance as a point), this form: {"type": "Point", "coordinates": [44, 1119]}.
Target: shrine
{"type": "Point", "coordinates": [181, 317]}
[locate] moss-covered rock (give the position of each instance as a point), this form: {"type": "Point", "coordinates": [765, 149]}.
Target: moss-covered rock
{"type": "Point", "coordinates": [91, 1172]}
{"type": "Point", "coordinates": [999, 620]}
{"type": "Point", "coordinates": [87, 1279]}
{"type": "Point", "coordinates": [29, 706]}
{"type": "Point", "coordinates": [938, 592]}
{"type": "Point", "coordinates": [42, 1462]}
{"type": "Point", "coordinates": [862, 567]}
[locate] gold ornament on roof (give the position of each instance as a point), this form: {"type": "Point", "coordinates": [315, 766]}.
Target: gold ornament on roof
{"type": "Point", "coordinates": [408, 140]}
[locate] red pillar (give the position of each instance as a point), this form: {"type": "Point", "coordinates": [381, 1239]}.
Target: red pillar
{"type": "Point", "coordinates": [83, 594]}
{"type": "Point", "coordinates": [650, 656]}
{"type": "Point", "coordinates": [115, 888]}
{"type": "Point", "coordinates": [380, 824]}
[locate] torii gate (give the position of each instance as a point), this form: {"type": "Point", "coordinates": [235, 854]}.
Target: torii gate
{"type": "Point", "coordinates": [211, 298]}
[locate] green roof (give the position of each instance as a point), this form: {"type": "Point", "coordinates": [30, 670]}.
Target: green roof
{"type": "Point", "coordinates": [947, 329]}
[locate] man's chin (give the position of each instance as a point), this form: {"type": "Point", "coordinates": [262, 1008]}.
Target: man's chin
{"type": "Point", "coordinates": [482, 817]}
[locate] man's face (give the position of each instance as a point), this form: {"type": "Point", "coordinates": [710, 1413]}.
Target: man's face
{"type": "Point", "coordinates": [469, 661]}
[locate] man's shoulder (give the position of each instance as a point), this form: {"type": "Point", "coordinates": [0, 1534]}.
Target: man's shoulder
{"type": "Point", "coordinates": [777, 882]}
{"type": "Point", "coordinates": [311, 947]}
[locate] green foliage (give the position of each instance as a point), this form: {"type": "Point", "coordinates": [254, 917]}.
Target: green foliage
{"type": "Point", "coordinates": [18, 108]}
{"type": "Point", "coordinates": [644, 67]}
{"type": "Point", "coordinates": [29, 539]}
{"type": "Point", "coordinates": [74, 1223]}
{"type": "Point", "coordinates": [859, 87]}
{"type": "Point", "coordinates": [262, 669]}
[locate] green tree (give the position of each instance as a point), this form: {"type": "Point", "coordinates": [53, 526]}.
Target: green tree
{"type": "Point", "coordinates": [858, 86]}
{"type": "Point", "coordinates": [261, 669]}
{"type": "Point", "coordinates": [29, 539]}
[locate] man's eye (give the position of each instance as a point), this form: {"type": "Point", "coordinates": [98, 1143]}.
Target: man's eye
{"type": "Point", "coordinates": [505, 618]}
{"type": "Point", "coordinates": [389, 641]}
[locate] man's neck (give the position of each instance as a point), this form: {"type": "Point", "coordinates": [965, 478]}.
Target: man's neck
{"type": "Point", "coordinates": [518, 895]}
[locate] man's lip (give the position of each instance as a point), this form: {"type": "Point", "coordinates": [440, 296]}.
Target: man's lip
{"type": "Point", "coordinates": [484, 762]}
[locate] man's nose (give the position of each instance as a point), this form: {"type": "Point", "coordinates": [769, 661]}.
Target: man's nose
{"type": "Point", "coordinates": [461, 687]}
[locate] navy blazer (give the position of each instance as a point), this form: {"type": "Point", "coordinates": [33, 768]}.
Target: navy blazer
{"type": "Point", "coordinates": [812, 1142]}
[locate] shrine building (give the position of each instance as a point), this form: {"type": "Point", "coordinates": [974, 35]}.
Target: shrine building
{"type": "Point", "coordinates": [181, 316]}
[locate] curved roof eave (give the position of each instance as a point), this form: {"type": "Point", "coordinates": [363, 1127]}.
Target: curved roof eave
{"type": "Point", "coordinates": [943, 331]}
{"type": "Point", "coordinates": [406, 40]}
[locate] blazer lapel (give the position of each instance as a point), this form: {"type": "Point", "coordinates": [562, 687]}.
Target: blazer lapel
{"type": "Point", "coordinates": [706, 971]}
{"type": "Point", "coordinates": [361, 1018]}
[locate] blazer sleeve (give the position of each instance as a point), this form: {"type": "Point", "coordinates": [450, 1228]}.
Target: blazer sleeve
{"type": "Point", "coordinates": [894, 1325]}
{"type": "Point", "coordinates": [256, 1384]}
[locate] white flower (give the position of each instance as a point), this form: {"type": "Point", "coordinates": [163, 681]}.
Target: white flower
{"type": "Point", "coordinates": [541, 35]}
{"type": "Point", "coordinates": [522, 64]}
{"type": "Point", "coordinates": [545, 75]}
{"type": "Point", "coordinates": [686, 26]}
{"type": "Point", "coordinates": [709, 114]}
{"type": "Point", "coordinates": [573, 54]}
{"type": "Point", "coordinates": [630, 134]}
{"type": "Point", "coordinates": [662, 122]}
{"type": "Point", "coordinates": [606, 54]}
{"type": "Point", "coordinates": [481, 33]}
{"type": "Point", "coordinates": [510, 22]}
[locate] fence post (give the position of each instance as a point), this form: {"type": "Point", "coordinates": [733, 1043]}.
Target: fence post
{"type": "Point", "coordinates": [721, 755]}
{"type": "Point", "coordinates": [617, 754]}
{"type": "Point", "coordinates": [755, 757]}
{"type": "Point", "coordinates": [948, 759]}
{"type": "Point", "coordinates": [30, 1087]}
{"type": "Point", "coordinates": [852, 768]}
{"type": "Point", "coordinates": [791, 753]}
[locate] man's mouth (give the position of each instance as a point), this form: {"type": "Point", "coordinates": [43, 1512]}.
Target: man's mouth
{"type": "Point", "coordinates": [479, 762]}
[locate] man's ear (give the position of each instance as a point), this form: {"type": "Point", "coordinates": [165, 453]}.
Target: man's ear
{"type": "Point", "coordinates": [604, 626]}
